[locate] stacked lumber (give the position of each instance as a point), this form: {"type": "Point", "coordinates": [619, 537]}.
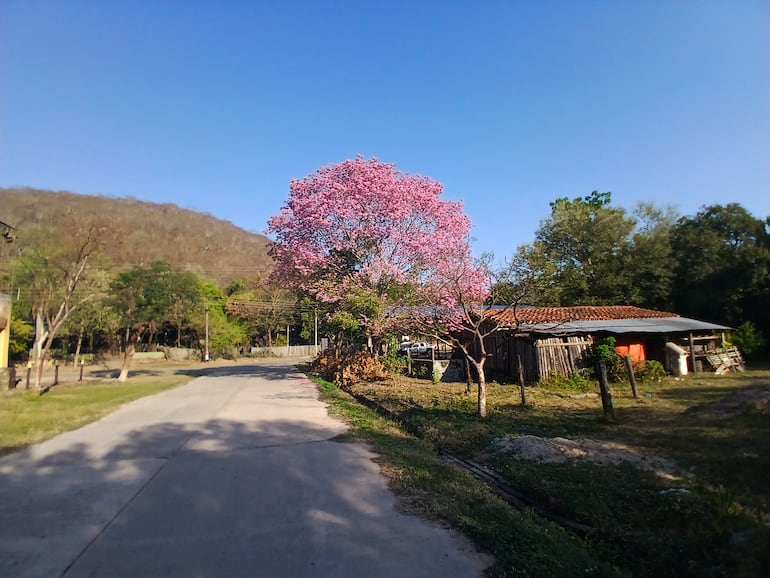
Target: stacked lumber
{"type": "Point", "coordinates": [725, 360]}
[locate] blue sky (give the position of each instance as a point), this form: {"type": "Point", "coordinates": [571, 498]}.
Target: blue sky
{"type": "Point", "coordinates": [216, 105]}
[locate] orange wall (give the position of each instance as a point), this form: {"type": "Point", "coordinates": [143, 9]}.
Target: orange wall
{"type": "Point", "coordinates": [635, 350]}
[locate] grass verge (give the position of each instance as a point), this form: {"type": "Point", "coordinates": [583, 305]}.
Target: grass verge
{"type": "Point", "coordinates": [521, 543]}
{"type": "Point", "coordinates": [710, 518]}
{"type": "Point", "coordinates": [27, 418]}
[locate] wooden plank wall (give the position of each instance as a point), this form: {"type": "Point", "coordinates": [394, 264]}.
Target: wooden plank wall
{"type": "Point", "coordinates": [541, 358]}
{"type": "Point", "coordinates": [560, 355]}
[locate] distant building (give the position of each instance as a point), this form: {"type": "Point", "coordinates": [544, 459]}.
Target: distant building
{"type": "Point", "coordinates": [552, 341]}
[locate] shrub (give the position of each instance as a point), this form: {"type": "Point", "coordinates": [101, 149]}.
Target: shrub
{"type": "Point", "coordinates": [579, 381]}
{"type": "Point", "coordinates": [604, 349]}
{"type": "Point", "coordinates": [391, 360]}
{"type": "Point", "coordinates": [748, 340]}
{"type": "Point", "coordinates": [21, 337]}
{"type": "Point", "coordinates": [651, 371]}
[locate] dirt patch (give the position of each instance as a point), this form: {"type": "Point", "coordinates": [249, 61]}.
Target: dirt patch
{"type": "Point", "coordinates": [559, 450]}
{"type": "Point", "coordinates": [743, 400]}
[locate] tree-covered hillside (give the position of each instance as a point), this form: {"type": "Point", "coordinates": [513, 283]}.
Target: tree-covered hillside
{"type": "Point", "coordinates": [137, 233]}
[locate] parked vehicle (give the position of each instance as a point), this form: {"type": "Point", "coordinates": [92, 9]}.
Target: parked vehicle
{"type": "Point", "coordinates": [420, 348]}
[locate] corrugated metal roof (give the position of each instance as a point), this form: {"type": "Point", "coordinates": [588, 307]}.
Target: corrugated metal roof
{"type": "Point", "coordinates": [648, 325]}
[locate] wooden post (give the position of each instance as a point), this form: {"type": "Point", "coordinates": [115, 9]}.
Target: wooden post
{"type": "Point", "coordinates": [692, 354]}
{"type": "Point", "coordinates": [409, 363]}
{"type": "Point", "coordinates": [521, 382]}
{"type": "Point", "coordinates": [12, 377]}
{"type": "Point", "coordinates": [604, 387]}
{"type": "Point", "coordinates": [29, 373]}
{"type": "Point", "coordinates": [631, 376]}
{"type": "Point", "coordinates": [56, 374]}
{"type": "Point", "coordinates": [81, 371]}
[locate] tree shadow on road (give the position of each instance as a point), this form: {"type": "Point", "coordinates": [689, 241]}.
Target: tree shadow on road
{"type": "Point", "coordinates": [211, 499]}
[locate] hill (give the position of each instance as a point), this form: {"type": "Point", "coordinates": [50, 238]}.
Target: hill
{"type": "Point", "coordinates": [139, 232]}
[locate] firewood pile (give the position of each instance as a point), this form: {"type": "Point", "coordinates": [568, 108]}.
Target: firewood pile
{"type": "Point", "coordinates": [346, 368]}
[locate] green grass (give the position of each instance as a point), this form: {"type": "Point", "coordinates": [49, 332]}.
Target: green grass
{"type": "Point", "coordinates": [521, 543]}
{"type": "Point", "coordinates": [718, 527]}
{"type": "Point", "coordinates": [27, 418]}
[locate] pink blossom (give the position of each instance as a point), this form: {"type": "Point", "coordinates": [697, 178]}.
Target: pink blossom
{"type": "Point", "coordinates": [361, 225]}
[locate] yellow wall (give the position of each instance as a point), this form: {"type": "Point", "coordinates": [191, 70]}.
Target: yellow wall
{"type": "Point", "coordinates": [5, 328]}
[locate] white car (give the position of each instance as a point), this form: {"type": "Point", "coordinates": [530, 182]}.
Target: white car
{"type": "Point", "coordinates": [420, 348]}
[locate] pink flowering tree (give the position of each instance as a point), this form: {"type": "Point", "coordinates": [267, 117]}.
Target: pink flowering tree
{"type": "Point", "coordinates": [384, 253]}
{"type": "Point", "coordinates": [365, 239]}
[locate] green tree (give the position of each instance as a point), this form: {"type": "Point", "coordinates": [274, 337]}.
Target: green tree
{"type": "Point", "coordinates": [184, 298]}
{"type": "Point", "coordinates": [722, 269]}
{"type": "Point", "coordinates": [650, 263]}
{"type": "Point", "coordinates": [263, 306]}
{"type": "Point", "coordinates": [224, 333]}
{"type": "Point", "coordinates": [91, 317]}
{"type": "Point", "coordinates": [580, 253]}
{"type": "Point", "coordinates": [590, 253]}
{"type": "Point", "coordinates": [146, 298]}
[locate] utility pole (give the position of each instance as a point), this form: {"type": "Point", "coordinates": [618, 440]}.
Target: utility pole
{"type": "Point", "coordinates": [206, 349]}
{"type": "Point", "coordinates": [5, 318]}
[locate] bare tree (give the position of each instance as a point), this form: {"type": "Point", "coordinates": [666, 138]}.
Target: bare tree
{"type": "Point", "coordinates": [50, 273]}
{"type": "Point", "coordinates": [471, 312]}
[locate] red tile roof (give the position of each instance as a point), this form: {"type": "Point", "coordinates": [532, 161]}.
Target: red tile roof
{"type": "Point", "coordinates": [526, 315]}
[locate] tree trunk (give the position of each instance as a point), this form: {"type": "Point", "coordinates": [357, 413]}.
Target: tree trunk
{"type": "Point", "coordinates": [482, 383]}
{"type": "Point", "coordinates": [127, 357]}
{"type": "Point", "coordinates": [468, 378]}
{"type": "Point", "coordinates": [482, 390]}
{"type": "Point", "coordinates": [40, 364]}
{"type": "Point", "coordinates": [39, 350]}
{"type": "Point", "coordinates": [77, 348]}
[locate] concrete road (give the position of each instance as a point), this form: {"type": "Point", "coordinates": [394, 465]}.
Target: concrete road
{"type": "Point", "coordinates": [233, 474]}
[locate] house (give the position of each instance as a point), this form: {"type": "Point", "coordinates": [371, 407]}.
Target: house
{"type": "Point", "coordinates": [552, 341]}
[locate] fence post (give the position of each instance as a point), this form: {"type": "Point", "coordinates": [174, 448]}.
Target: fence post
{"type": "Point", "coordinates": [12, 377]}
{"type": "Point", "coordinates": [631, 376]}
{"type": "Point", "coordinates": [81, 370]}
{"type": "Point", "coordinates": [604, 387]}
{"type": "Point", "coordinates": [521, 382]}
{"type": "Point", "coordinates": [409, 363]}
{"type": "Point", "coordinates": [56, 373]}
{"type": "Point", "coordinates": [29, 373]}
